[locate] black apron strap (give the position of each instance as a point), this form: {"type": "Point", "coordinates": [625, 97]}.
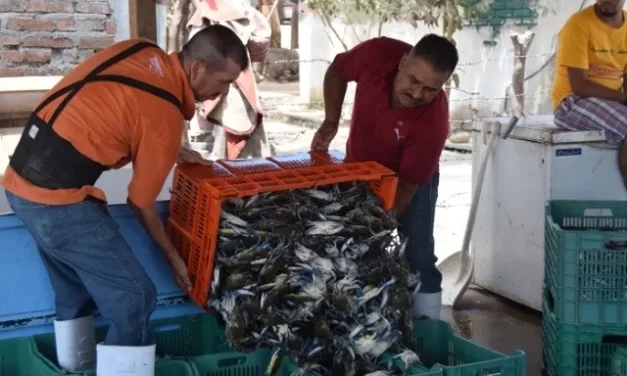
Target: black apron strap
{"type": "Point", "coordinates": [136, 84]}
{"type": "Point", "coordinates": [91, 77]}
{"type": "Point", "coordinates": [45, 159]}
{"type": "Point", "coordinates": [100, 68]}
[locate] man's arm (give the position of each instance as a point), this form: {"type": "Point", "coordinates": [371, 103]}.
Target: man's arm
{"type": "Point", "coordinates": [346, 67]}
{"type": "Point", "coordinates": [586, 88]}
{"type": "Point", "coordinates": [152, 162]}
{"type": "Point", "coordinates": [151, 221]}
{"type": "Point", "coordinates": [404, 194]}
{"type": "Point", "coordinates": [334, 91]}
{"type": "Point", "coordinates": [572, 53]}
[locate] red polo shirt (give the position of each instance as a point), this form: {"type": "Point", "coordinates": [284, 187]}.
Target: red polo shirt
{"type": "Point", "coordinates": [408, 141]}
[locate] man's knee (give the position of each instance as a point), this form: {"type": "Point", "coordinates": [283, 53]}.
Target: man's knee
{"type": "Point", "coordinates": [134, 302]}
{"type": "Point", "coordinates": [141, 302]}
{"type": "Point", "coordinates": [130, 315]}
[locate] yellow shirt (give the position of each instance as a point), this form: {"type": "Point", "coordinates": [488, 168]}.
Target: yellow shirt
{"type": "Point", "coordinates": [585, 42]}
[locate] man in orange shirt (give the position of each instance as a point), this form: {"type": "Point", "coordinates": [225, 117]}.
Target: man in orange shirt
{"type": "Point", "coordinates": [589, 87]}
{"type": "Point", "coordinates": [126, 104]}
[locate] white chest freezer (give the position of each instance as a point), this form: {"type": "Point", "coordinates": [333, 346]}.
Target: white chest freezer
{"type": "Point", "coordinates": [538, 162]}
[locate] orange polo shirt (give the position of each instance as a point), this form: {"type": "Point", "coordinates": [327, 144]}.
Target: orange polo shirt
{"type": "Point", "coordinates": [115, 124]}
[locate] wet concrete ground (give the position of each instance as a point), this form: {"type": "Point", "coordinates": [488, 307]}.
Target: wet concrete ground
{"type": "Point", "coordinates": [500, 325]}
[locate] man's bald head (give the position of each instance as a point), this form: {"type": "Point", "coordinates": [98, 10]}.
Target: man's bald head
{"type": "Point", "coordinates": [215, 44]}
{"type": "Point", "coordinates": [213, 59]}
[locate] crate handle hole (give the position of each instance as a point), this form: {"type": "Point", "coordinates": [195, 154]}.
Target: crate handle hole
{"type": "Point", "coordinates": [597, 212]}
{"type": "Point", "coordinates": [231, 362]}
{"type": "Point", "coordinates": [616, 245]}
{"type": "Point", "coordinates": [550, 300]}
{"type": "Point", "coordinates": [614, 339]}
{"type": "Point", "coordinates": [168, 328]}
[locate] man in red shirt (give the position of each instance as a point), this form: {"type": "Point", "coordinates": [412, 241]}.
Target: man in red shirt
{"type": "Point", "coordinates": [400, 119]}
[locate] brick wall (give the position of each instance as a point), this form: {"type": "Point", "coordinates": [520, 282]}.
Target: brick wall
{"type": "Point", "coordinates": [521, 12]}
{"type": "Point", "coordinates": [49, 37]}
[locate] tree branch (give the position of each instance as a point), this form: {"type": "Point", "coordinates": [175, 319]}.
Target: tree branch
{"type": "Point", "coordinates": [329, 23]}
{"type": "Point", "coordinates": [522, 43]}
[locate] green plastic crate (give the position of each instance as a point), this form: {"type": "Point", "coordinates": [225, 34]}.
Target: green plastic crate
{"type": "Point", "coordinates": [423, 371]}
{"type": "Point", "coordinates": [411, 371]}
{"type": "Point", "coordinates": [445, 354]}
{"type": "Point", "coordinates": [177, 339]}
{"type": "Point", "coordinates": [457, 356]}
{"type": "Point", "coordinates": [232, 364]}
{"type": "Point", "coordinates": [288, 367]}
{"type": "Point", "coordinates": [586, 261]}
{"type": "Point", "coordinates": [578, 350]}
{"type": "Point", "coordinates": [19, 358]}
{"type": "Point", "coordinates": [619, 362]}
{"type": "Point", "coordinates": [169, 367]}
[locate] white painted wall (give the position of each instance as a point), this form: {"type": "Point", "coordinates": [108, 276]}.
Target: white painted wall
{"type": "Point", "coordinates": [484, 70]}
{"type": "Point", "coordinates": [121, 15]}
{"type": "Point", "coordinates": [161, 25]}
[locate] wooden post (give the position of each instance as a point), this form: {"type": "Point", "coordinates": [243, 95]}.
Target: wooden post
{"type": "Point", "coordinates": [176, 20]}
{"type": "Point", "coordinates": [143, 19]}
{"type": "Point", "coordinates": [294, 26]}
{"type": "Point", "coordinates": [268, 9]}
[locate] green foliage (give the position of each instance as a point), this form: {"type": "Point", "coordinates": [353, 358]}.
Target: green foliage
{"type": "Point", "coordinates": [451, 13]}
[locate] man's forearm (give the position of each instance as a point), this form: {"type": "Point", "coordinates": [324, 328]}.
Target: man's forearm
{"type": "Point", "coordinates": [152, 223]}
{"type": "Point", "coordinates": [588, 89]}
{"type": "Point", "coordinates": [334, 90]}
{"type": "Point", "coordinates": [405, 193]}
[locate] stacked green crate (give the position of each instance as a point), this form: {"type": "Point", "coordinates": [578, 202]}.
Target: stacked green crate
{"type": "Point", "coordinates": [196, 346]}
{"type": "Point", "coordinates": [178, 340]}
{"type": "Point", "coordinates": [186, 346]}
{"type": "Point", "coordinates": [18, 358]}
{"type": "Point", "coordinates": [585, 294]}
{"type": "Point", "coordinates": [441, 348]}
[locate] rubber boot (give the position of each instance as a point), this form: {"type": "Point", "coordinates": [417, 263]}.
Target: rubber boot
{"type": "Point", "coordinates": [428, 305]}
{"type": "Point", "coordinates": [76, 344]}
{"type": "Point", "coordinates": [126, 360]}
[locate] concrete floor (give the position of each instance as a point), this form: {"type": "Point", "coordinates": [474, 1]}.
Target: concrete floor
{"type": "Point", "coordinates": [500, 325]}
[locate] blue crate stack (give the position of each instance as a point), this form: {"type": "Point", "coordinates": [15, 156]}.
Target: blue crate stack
{"type": "Point", "coordinates": [585, 288]}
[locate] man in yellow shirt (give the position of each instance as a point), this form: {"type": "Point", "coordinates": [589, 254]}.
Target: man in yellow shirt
{"type": "Point", "coordinates": [589, 90]}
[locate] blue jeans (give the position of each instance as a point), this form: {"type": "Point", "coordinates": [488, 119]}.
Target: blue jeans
{"type": "Point", "coordinates": [417, 224]}
{"type": "Point", "coordinates": [91, 266]}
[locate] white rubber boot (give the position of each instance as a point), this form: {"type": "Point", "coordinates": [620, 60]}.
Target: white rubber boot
{"type": "Point", "coordinates": [76, 344]}
{"type": "Point", "coordinates": [428, 305]}
{"type": "Point", "coordinates": [126, 360]}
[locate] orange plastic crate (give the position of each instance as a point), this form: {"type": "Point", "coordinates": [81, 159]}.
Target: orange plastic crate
{"type": "Point", "coordinates": [198, 193]}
